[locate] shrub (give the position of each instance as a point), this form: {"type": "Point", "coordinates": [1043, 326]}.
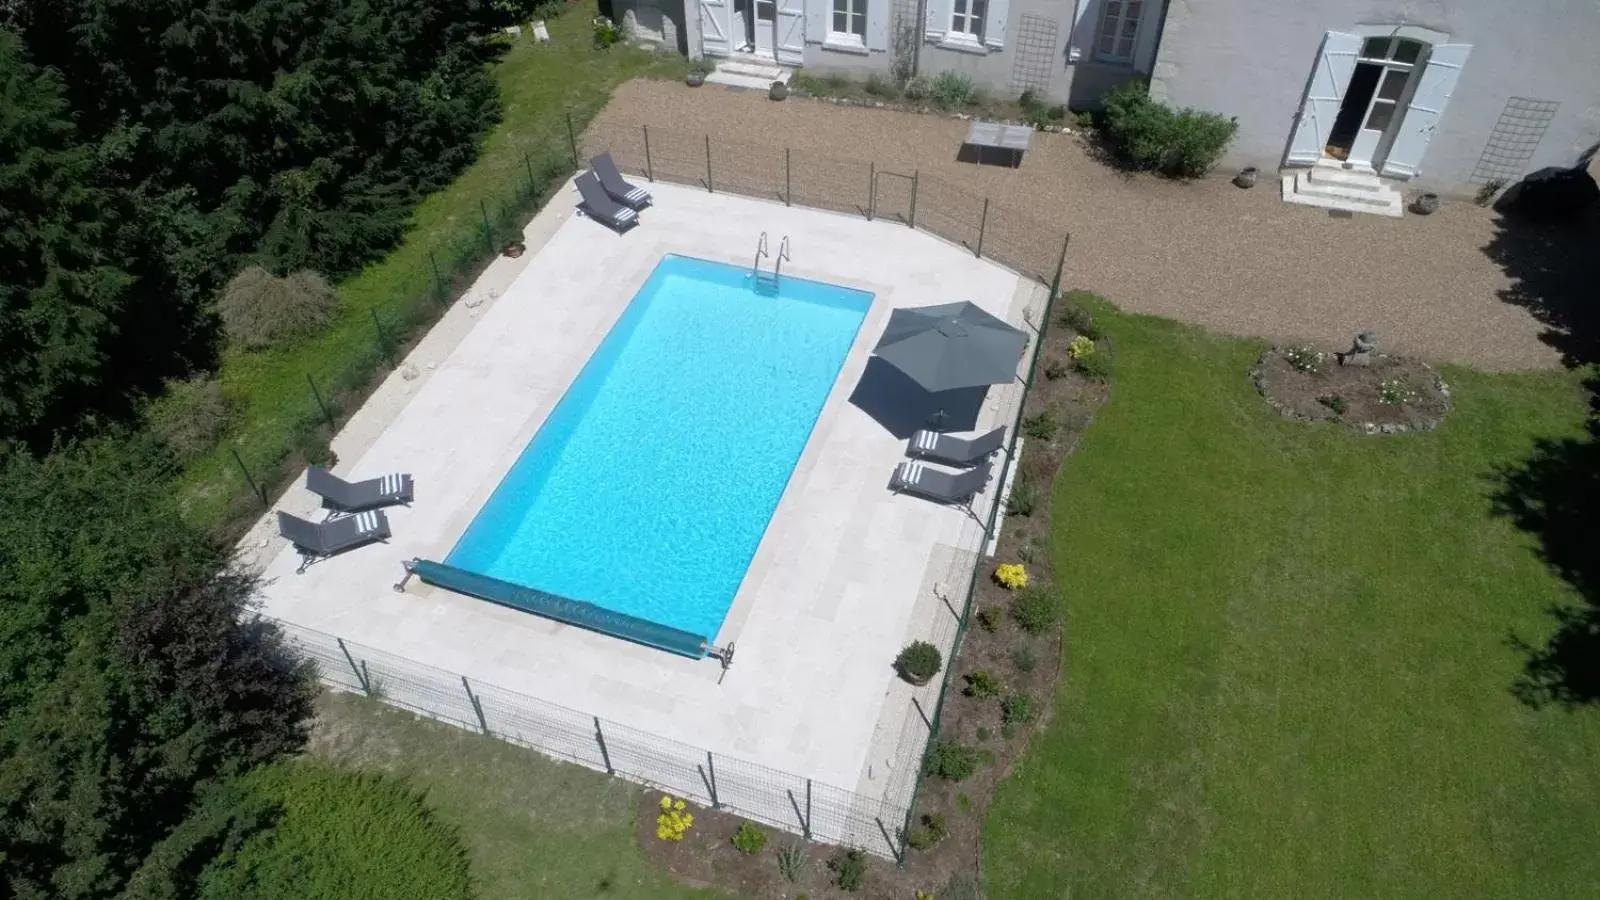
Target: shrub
{"type": "Point", "coordinates": [1096, 366]}
{"type": "Point", "coordinates": [1081, 347]}
{"type": "Point", "coordinates": [1016, 709]}
{"type": "Point", "coordinates": [1142, 134]}
{"type": "Point", "coordinates": [918, 88]}
{"type": "Point", "coordinates": [1035, 609]}
{"type": "Point", "coordinates": [952, 90]}
{"type": "Point", "coordinates": [1011, 576]}
{"type": "Point", "coordinates": [1055, 369]}
{"type": "Point", "coordinates": [938, 824]}
{"type": "Point", "coordinates": [191, 416]}
{"type": "Point", "coordinates": [918, 837]}
{"type": "Point", "coordinates": [1304, 359]}
{"type": "Point", "coordinates": [879, 86]}
{"type": "Point", "coordinates": [1024, 659]}
{"type": "Point", "coordinates": [981, 684]}
{"type": "Point", "coordinates": [849, 870]}
{"type": "Point", "coordinates": [675, 819]}
{"type": "Point", "coordinates": [1335, 402]}
{"type": "Point", "coordinates": [983, 734]}
{"type": "Point", "coordinates": [703, 66]}
{"type": "Point", "coordinates": [1394, 392]}
{"type": "Point", "coordinates": [792, 862]}
{"type": "Point", "coordinates": [1041, 425]}
{"type": "Point", "coordinates": [918, 662]}
{"type": "Point", "coordinates": [1024, 498]}
{"type": "Point", "coordinates": [1086, 121]}
{"type": "Point", "coordinates": [749, 839]}
{"type": "Point", "coordinates": [990, 617]}
{"type": "Point", "coordinates": [1029, 551]}
{"type": "Point", "coordinates": [259, 309]}
{"type": "Point", "coordinates": [606, 32]}
{"type": "Point", "coordinates": [1075, 314]}
{"type": "Point", "coordinates": [950, 761]}
{"type": "Point", "coordinates": [933, 829]}
{"type": "Point", "coordinates": [1028, 99]}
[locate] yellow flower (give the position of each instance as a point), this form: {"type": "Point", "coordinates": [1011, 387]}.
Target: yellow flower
{"type": "Point", "coordinates": [666, 803]}
{"type": "Point", "coordinates": [1080, 347]}
{"type": "Point", "coordinates": [1011, 576]}
{"type": "Point", "coordinates": [680, 806]}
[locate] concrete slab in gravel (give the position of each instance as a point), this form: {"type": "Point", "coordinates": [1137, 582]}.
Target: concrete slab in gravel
{"type": "Point", "coordinates": [831, 594]}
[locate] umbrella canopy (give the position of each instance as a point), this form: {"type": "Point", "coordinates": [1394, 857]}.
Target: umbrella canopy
{"type": "Point", "coordinates": [951, 346]}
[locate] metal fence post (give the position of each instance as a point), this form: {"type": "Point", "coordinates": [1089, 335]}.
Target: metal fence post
{"type": "Point", "coordinates": [438, 281]}
{"type": "Point", "coordinates": [983, 224]}
{"type": "Point", "coordinates": [872, 188]}
{"type": "Point", "coordinates": [488, 231]}
{"type": "Point", "coordinates": [572, 139]}
{"type": "Point", "coordinates": [360, 675]}
{"type": "Point", "coordinates": [711, 781]}
{"type": "Point", "coordinates": [916, 177]}
{"type": "Point", "coordinates": [600, 738]}
{"type": "Point", "coordinates": [527, 165]}
{"type": "Point", "coordinates": [1061, 262]}
{"type": "Point", "coordinates": [808, 809]}
{"type": "Point", "coordinates": [649, 168]}
{"type": "Point", "coordinates": [709, 188]}
{"type": "Point", "coordinates": [788, 192]}
{"type": "Point", "coordinates": [317, 395]}
{"type": "Point", "coordinates": [476, 706]}
{"type": "Point", "coordinates": [254, 488]}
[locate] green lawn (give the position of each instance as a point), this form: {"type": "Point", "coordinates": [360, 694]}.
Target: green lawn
{"type": "Point", "coordinates": [1287, 670]}
{"type": "Point", "coordinates": [539, 85]}
{"type": "Point", "coordinates": [535, 828]}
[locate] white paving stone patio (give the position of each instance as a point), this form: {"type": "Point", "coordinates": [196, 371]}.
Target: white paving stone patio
{"type": "Point", "coordinates": [842, 579]}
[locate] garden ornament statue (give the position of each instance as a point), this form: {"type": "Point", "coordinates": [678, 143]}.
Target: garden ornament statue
{"type": "Point", "coordinates": [1361, 350]}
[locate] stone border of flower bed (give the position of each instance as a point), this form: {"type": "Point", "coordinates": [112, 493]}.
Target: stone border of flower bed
{"type": "Point", "coordinates": [1258, 378]}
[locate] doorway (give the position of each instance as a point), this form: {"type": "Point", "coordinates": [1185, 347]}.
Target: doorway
{"type": "Point", "coordinates": [756, 22]}
{"type": "Point", "coordinates": [1374, 100]}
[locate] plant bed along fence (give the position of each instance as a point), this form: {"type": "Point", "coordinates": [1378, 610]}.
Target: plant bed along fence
{"type": "Point", "coordinates": [996, 689]}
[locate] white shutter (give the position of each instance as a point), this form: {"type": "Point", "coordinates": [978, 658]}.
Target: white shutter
{"type": "Point", "coordinates": [878, 13]}
{"type": "Point", "coordinates": [714, 27]}
{"type": "Point", "coordinates": [938, 19]}
{"type": "Point", "coordinates": [791, 31]}
{"type": "Point", "coordinates": [1427, 104]}
{"type": "Point", "coordinates": [1335, 64]}
{"type": "Point", "coordinates": [994, 24]}
{"type": "Point", "coordinates": [817, 20]}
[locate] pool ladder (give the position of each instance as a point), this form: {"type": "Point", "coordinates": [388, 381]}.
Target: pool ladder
{"type": "Point", "coordinates": [767, 282]}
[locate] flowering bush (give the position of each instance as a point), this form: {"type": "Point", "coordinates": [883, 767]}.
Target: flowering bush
{"type": "Point", "coordinates": [1304, 359]}
{"type": "Point", "coordinates": [675, 820]}
{"type": "Point", "coordinates": [1394, 392]}
{"type": "Point", "coordinates": [1080, 347]}
{"type": "Point", "coordinates": [1011, 576]}
{"type": "Point", "coordinates": [606, 32]}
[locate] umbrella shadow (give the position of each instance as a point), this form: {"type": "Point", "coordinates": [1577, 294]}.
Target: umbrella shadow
{"type": "Point", "coordinates": [902, 406]}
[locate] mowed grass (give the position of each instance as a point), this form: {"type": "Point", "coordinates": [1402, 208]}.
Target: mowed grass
{"type": "Point", "coordinates": [539, 85]}
{"type": "Point", "coordinates": [1288, 665]}
{"type": "Point", "coordinates": [534, 828]}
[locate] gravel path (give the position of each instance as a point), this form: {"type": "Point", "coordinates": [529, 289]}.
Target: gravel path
{"type": "Point", "coordinates": [1240, 262]}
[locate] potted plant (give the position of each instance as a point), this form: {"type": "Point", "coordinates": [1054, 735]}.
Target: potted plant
{"type": "Point", "coordinates": [1246, 177]}
{"type": "Point", "coordinates": [1425, 204]}
{"type": "Point", "coordinates": [778, 91]}
{"type": "Point", "coordinates": [698, 70]}
{"type": "Point", "coordinates": [918, 662]}
{"type": "Point", "coordinates": [515, 248]}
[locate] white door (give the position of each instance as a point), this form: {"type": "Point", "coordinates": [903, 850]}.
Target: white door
{"type": "Point", "coordinates": [1383, 113]}
{"type": "Point", "coordinates": [1336, 62]}
{"type": "Point", "coordinates": [792, 32]}
{"type": "Point", "coordinates": [1433, 90]}
{"type": "Point", "coordinates": [714, 27]}
{"type": "Point", "coordinates": [766, 12]}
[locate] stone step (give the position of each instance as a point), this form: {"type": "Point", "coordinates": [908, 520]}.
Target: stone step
{"type": "Point", "coordinates": [1297, 189]}
{"type": "Point", "coordinates": [754, 69]}
{"type": "Point", "coordinates": [744, 82]}
{"type": "Point", "coordinates": [1378, 195]}
{"type": "Point", "coordinates": [1336, 175]}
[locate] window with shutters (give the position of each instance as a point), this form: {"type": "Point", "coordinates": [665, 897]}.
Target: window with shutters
{"type": "Point", "coordinates": [1119, 29]}
{"type": "Point", "coordinates": [849, 22]}
{"type": "Point", "coordinates": [966, 18]}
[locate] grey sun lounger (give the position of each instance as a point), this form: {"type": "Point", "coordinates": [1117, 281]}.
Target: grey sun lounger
{"type": "Point", "coordinates": [344, 496]}
{"type": "Point", "coordinates": [618, 187]}
{"type": "Point", "coordinates": [601, 207]}
{"type": "Point", "coordinates": [316, 541]}
{"type": "Point", "coordinates": [936, 484]}
{"type": "Point", "coordinates": [953, 450]}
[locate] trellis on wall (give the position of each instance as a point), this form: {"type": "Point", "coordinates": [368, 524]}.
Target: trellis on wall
{"type": "Point", "coordinates": [1033, 61]}
{"type": "Point", "coordinates": [1515, 137]}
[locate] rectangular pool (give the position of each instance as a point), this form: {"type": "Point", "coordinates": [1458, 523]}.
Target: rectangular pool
{"type": "Point", "coordinates": [648, 488]}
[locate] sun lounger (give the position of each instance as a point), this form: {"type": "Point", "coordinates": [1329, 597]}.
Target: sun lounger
{"type": "Point", "coordinates": [936, 484]}
{"type": "Point", "coordinates": [956, 451]}
{"type": "Point", "coordinates": [617, 186]}
{"type": "Point", "coordinates": [344, 496]}
{"type": "Point", "coordinates": [316, 541]}
{"type": "Point", "coordinates": [599, 206]}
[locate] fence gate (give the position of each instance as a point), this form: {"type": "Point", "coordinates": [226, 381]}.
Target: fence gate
{"type": "Point", "coordinates": [894, 197]}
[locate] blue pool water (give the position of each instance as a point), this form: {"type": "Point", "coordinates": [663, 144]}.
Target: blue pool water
{"type": "Point", "coordinates": [648, 488]}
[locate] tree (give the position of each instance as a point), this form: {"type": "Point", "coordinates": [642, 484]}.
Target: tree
{"type": "Point", "coordinates": [131, 677]}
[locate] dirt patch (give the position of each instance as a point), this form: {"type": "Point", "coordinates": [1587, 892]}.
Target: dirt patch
{"type": "Point", "coordinates": [1006, 667]}
{"type": "Point", "coordinates": [1390, 395]}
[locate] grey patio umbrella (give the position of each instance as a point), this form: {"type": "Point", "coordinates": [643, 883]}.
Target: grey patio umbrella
{"type": "Point", "coordinates": [951, 346]}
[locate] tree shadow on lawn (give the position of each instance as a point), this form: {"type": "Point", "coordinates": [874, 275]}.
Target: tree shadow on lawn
{"type": "Point", "coordinates": [1555, 492]}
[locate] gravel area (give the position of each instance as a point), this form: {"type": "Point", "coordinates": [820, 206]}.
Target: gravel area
{"type": "Point", "coordinates": [1236, 261]}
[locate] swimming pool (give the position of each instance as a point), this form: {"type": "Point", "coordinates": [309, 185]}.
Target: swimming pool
{"type": "Point", "coordinates": [649, 486]}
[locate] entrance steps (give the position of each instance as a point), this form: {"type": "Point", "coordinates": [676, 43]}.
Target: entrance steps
{"type": "Point", "coordinates": [744, 70]}
{"type": "Point", "coordinates": [1330, 185]}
